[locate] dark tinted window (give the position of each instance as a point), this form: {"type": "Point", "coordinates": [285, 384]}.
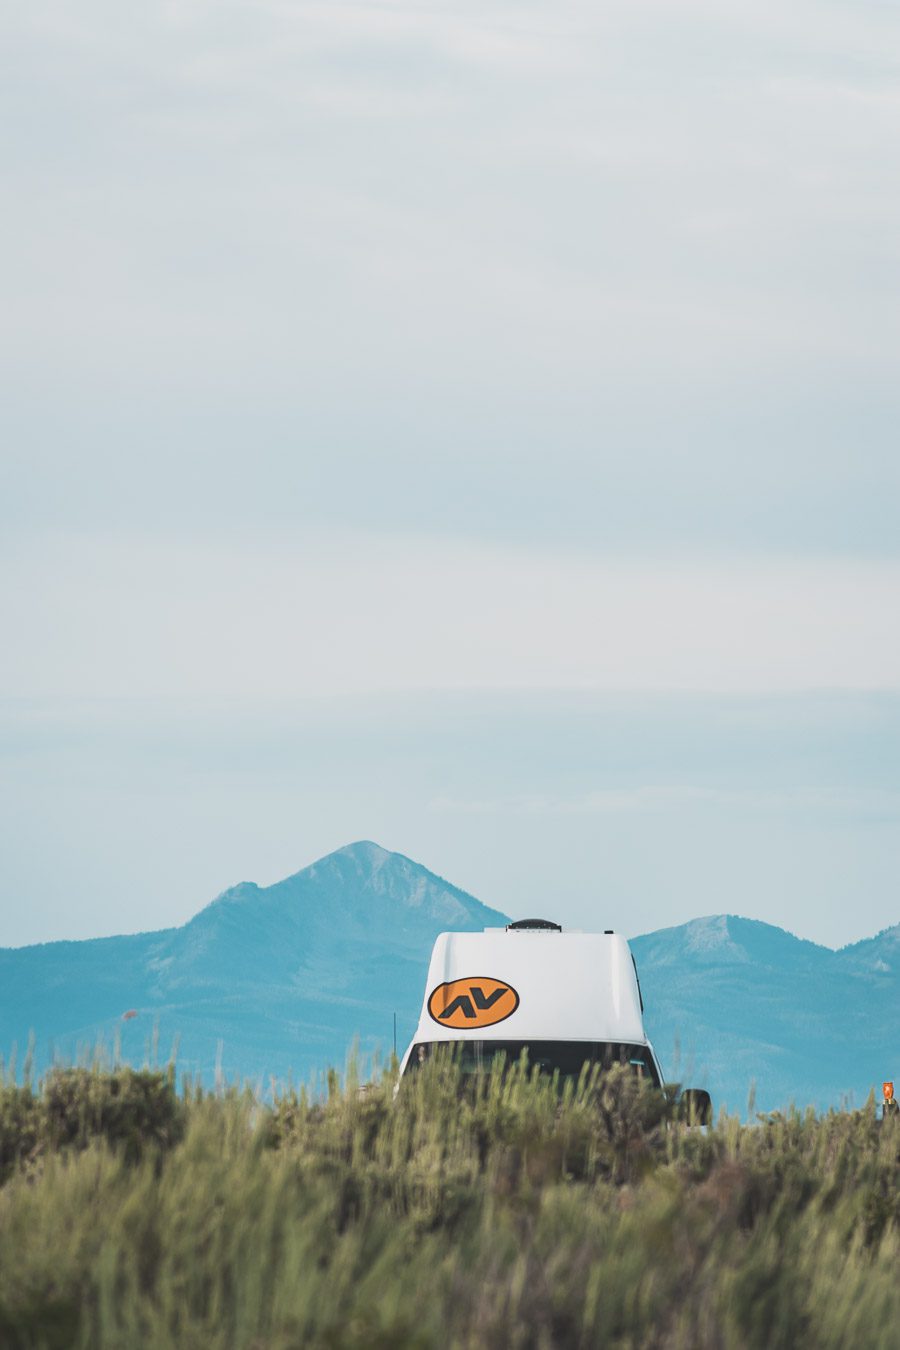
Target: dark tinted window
{"type": "Point", "coordinates": [566, 1057]}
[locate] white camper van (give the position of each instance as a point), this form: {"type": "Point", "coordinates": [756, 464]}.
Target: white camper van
{"type": "Point", "coordinates": [565, 997]}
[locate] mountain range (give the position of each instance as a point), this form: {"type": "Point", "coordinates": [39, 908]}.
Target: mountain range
{"type": "Point", "coordinates": [278, 982]}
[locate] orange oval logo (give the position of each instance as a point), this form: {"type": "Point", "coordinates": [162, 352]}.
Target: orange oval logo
{"type": "Point", "coordinates": [471, 1003]}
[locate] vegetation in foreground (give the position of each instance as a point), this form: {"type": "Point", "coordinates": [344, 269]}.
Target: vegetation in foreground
{"type": "Point", "coordinates": [131, 1215]}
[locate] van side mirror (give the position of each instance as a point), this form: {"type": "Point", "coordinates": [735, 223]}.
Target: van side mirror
{"type": "Point", "coordinates": [695, 1106]}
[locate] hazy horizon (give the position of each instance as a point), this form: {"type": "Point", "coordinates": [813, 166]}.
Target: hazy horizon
{"type": "Point", "coordinates": [633, 812]}
{"type": "Point", "coordinates": [698, 918]}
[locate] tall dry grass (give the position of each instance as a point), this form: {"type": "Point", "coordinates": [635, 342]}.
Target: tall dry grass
{"type": "Point", "coordinates": [494, 1216]}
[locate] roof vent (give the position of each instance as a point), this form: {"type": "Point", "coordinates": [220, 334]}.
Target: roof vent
{"type": "Point", "coordinates": [535, 925]}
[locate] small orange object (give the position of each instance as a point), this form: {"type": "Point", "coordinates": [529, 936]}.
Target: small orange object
{"type": "Point", "coordinates": [127, 1016]}
{"type": "Point", "coordinates": [888, 1091]}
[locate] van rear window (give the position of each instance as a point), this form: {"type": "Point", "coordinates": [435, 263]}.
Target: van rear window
{"type": "Point", "coordinates": [565, 1057]}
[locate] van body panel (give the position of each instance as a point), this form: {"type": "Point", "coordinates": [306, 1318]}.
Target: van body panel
{"type": "Point", "coordinates": [531, 986]}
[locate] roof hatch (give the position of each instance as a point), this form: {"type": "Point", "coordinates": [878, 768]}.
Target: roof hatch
{"type": "Point", "coordinates": [537, 925]}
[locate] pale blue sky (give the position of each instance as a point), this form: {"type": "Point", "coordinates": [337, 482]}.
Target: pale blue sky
{"type": "Point", "coordinates": [370, 369]}
{"type": "Point", "coordinates": [597, 810]}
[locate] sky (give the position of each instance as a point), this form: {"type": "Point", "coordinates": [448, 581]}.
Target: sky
{"type": "Point", "coordinates": [466, 426]}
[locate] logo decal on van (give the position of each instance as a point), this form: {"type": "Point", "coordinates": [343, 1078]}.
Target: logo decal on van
{"type": "Point", "coordinates": [478, 1001]}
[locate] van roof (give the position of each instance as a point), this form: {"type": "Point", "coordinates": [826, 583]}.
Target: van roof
{"type": "Point", "coordinates": [531, 984]}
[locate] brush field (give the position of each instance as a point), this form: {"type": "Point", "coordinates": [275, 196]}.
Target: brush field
{"type": "Point", "coordinates": [135, 1215]}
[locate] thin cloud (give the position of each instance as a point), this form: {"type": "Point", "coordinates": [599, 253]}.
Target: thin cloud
{"type": "Point", "coordinates": [608, 273]}
{"type": "Point", "coordinates": [360, 613]}
{"type": "Point", "coordinates": [841, 807]}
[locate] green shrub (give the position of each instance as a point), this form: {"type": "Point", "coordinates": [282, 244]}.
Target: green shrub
{"type": "Point", "coordinates": [19, 1127]}
{"type": "Point", "coordinates": [131, 1110]}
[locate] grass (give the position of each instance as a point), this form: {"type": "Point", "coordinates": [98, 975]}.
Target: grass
{"type": "Point", "coordinates": [495, 1216]}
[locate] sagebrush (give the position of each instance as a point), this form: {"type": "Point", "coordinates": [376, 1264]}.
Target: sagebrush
{"type": "Point", "coordinates": [494, 1215]}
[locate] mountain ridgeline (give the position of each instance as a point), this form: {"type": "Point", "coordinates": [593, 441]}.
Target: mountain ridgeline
{"type": "Point", "coordinates": [264, 982]}
{"type": "Point", "coordinates": [734, 1003]}
{"type": "Point", "coordinates": [278, 982]}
